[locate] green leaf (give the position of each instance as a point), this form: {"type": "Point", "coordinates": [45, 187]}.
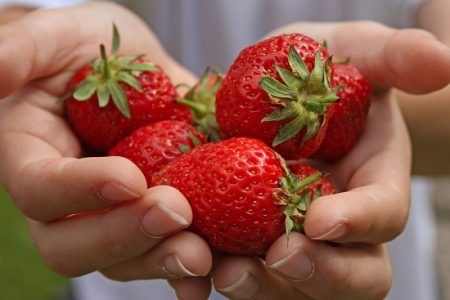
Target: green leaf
{"type": "Point", "coordinates": [183, 148]}
{"type": "Point", "coordinates": [275, 88]}
{"type": "Point", "coordinates": [317, 192]}
{"type": "Point", "coordinates": [199, 109]}
{"type": "Point", "coordinates": [140, 67]}
{"type": "Point", "coordinates": [103, 96]}
{"type": "Point", "coordinates": [119, 98]}
{"type": "Point", "coordinates": [216, 83]}
{"type": "Point", "coordinates": [288, 223]}
{"type": "Point", "coordinates": [306, 200]}
{"type": "Point", "coordinates": [315, 106]}
{"type": "Point", "coordinates": [324, 99]}
{"type": "Point", "coordinates": [312, 127]}
{"type": "Point", "coordinates": [194, 139]}
{"type": "Point", "coordinates": [326, 73]}
{"type": "Point", "coordinates": [115, 41]}
{"type": "Point", "coordinates": [288, 131]}
{"type": "Point", "coordinates": [282, 113]}
{"type": "Point", "coordinates": [130, 80]}
{"type": "Point", "coordinates": [292, 81]}
{"type": "Point", "coordinates": [85, 90]}
{"type": "Point", "coordinates": [204, 80]}
{"type": "Point", "coordinates": [297, 63]}
{"type": "Point", "coordinates": [128, 59]}
{"type": "Point", "coordinates": [317, 74]}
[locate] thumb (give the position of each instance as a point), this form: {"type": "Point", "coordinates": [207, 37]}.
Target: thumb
{"type": "Point", "coordinates": [411, 60]}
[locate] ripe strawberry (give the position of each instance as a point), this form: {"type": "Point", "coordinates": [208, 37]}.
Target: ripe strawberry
{"type": "Point", "coordinates": [201, 98]}
{"type": "Point", "coordinates": [348, 115]}
{"type": "Point", "coordinates": [302, 170]}
{"type": "Point", "coordinates": [153, 146]}
{"type": "Point", "coordinates": [114, 96]}
{"type": "Point", "coordinates": [278, 91]}
{"type": "Point", "coordinates": [242, 195]}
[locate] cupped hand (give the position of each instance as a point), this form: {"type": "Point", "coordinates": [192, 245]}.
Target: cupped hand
{"type": "Point", "coordinates": [342, 255]}
{"type": "Point", "coordinates": [85, 214]}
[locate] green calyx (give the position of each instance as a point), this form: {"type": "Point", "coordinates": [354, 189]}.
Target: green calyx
{"type": "Point", "coordinates": [303, 96]}
{"type": "Point", "coordinates": [195, 141]}
{"type": "Point", "coordinates": [201, 100]}
{"type": "Point", "coordinates": [295, 196]}
{"type": "Point", "coordinates": [108, 72]}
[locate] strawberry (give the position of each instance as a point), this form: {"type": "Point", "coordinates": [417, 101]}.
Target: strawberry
{"type": "Point", "coordinates": [278, 90]}
{"type": "Point", "coordinates": [242, 195]}
{"type": "Point", "coordinates": [201, 98]}
{"type": "Point", "coordinates": [113, 96]}
{"type": "Point", "coordinates": [348, 116]}
{"type": "Point", "coordinates": [153, 146]}
{"type": "Point", "coordinates": [302, 170]}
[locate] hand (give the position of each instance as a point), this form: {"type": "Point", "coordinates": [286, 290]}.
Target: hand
{"type": "Point", "coordinates": [85, 214]}
{"type": "Point", "coordinates": [375, 175]}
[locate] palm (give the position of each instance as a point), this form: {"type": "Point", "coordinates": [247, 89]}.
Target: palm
{"type": "Point", "coordinates": [374, 178]}
{"type": "Point", "coordinates": [38, 167]}
{"type": "Point", "coordinates": [65, 54]}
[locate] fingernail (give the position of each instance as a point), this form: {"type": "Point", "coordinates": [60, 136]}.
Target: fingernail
{"type": "Point", "coordinates": [335, 233]}
{"type": "Point", "coordinates": [116, 192]}
{"type": "Point", "coordinates": [245, 288]}
{"type": "Point", "coordinates": [160, 221]}
{"type": "Point", "coordinates": [296, 266]}
{"type": "Point", "coordinates": [173, 266]}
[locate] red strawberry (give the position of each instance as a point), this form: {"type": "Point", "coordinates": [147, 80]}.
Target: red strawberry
{"type": "Point", "coordinates": [201, 98]}
{"type": "Point", "coordinates": [115, 96]}
{"type": "Point", "coordinates": [348, 115]}
{"type": "Point", "coordinates": [278, 91]}
{"type": "Point", "coordinates": [153, 146]}
{"type": "Point", "coordinates": [302, 170]}
{"type": "Point", "coordinates": [242, 195]}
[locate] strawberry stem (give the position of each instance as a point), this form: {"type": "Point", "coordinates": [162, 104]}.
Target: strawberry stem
{"type": "Point", "coordinates": [296, 197]}
{"type": "Point", "coordinates": [301, 184]}
{"type": "Point", "coordinates": [106, 70]}
{"type": "Point", "coordinates": [199, 109]}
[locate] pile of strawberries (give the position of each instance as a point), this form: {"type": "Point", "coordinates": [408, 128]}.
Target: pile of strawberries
{"type": "Point", "coordinates": [234, 145]}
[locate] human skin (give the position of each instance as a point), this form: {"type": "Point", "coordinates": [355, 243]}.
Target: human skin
{"type": "Point", "coordinates": [43, 170]}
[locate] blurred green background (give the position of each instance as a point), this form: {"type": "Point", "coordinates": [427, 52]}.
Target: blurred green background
{"type": "Point", "coordinates": [23, 274]}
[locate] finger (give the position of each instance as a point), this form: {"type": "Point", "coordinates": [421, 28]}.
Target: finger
{"type": "Point", "coordinates": [45, 49]}
{"type": "Point", "coordinates": [54, 188]}
{"type": "Point", "coordinates": [327, 272]}
{"type": "Point", "coordinates": [45, 185]}
{"type": "Point", "coordinates": [84, 243]}
{"type": "Point", "coordinates": [19, 132]}
{"type": "Point", "coordinates": [412, 60]}
{"type": "Point", "coordinates": [192, 288]}
{"type": "Point", "coordinates": [375, 175]}
{"type": "Point", "coordinates": [179, 256]}
{"type": "Point", "coordinates": [245, 277]}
